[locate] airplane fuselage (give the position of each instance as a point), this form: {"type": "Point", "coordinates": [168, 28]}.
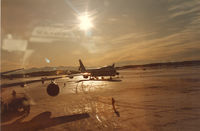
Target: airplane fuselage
{"type": "Point", "coordinates": [102, 72]}
{"type": "Point", "coordinates": [98, 72]}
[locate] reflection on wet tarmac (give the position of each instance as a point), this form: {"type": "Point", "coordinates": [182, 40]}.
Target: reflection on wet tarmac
{"type": "Point", "coordinates": [143, 100]}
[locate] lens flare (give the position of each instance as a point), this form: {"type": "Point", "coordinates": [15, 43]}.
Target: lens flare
{"type": "Point", "coordinates": [85, 22]}
{"type": "Point", "coordinates": [47, 60]}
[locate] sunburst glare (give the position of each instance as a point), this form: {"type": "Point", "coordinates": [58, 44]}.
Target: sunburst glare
{"type": "Point", "coordinates": [85, 22]}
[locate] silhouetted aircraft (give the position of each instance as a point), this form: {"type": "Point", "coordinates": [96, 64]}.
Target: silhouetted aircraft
{"type": "Point", "coordinates": [53, 88]}
{"type": "Point", "coordinates": [19, 104]}
{"type": "Point", "coordinates": [98, 72]}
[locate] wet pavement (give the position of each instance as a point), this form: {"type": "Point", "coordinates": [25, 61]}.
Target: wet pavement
{"type": "Point", "coordinates": [152, 99]}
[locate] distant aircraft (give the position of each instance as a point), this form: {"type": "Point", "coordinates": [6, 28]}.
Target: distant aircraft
{"type": "Point", "coordinates": [98, 72]}
{"type": "Point", "coordinates": [53, 88]}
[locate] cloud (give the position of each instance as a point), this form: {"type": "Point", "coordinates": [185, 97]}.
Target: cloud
{"type": "Point", "coordinates": [14, 44]}
{"type": "Point", "coordinates": [131, 30]}
{"type": "Point", "coordinates": [184, 8]}
{"type": "Point", "coordinates": [172, 47]}
{"type": "Point", "coordinates": [17, 47]}
{"type": "Point", "coordinates": [112, 19]}
{"type": "Point", "coordinates": [184, 12]}
{"type": "Point", "coordinates": [136, 36]}
{"type": "Point", "coordinates": [183, 5]}
{"type": "Point", "coordinates": [48, 33]}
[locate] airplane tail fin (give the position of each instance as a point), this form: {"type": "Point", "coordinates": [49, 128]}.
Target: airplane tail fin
{"type": "Point", "coordinates": [113, 65]}
{"type": "Point", "coordinates": [82, 67]}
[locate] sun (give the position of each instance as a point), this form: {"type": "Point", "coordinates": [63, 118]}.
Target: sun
{"type": "Point", "coordinates": [85, 22]}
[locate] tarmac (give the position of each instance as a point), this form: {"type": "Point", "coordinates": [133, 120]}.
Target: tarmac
{"type": "Point", "coordinates": [152, 99]}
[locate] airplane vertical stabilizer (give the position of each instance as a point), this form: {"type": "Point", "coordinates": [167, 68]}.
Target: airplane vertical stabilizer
{"type": "Point", "coordinates": [82, 67]}
{"type": "Point", "coordinates": [113, 65]}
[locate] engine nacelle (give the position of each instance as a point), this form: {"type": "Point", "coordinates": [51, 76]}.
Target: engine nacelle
{"type": "Point", "coordinates": [53, 89]}
{"type": "Point", "coordinates": [71, 77]}
{"type": "Point", "coordinates": [85, 76]}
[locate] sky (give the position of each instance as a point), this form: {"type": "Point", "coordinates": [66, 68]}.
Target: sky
{"type": "Point", "coordinates": [38, 33]}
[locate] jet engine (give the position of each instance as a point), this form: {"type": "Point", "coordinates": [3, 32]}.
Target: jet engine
{"type": "Point", "coordinates": [71, 77]}
{"type": "Point", "coordinates": [53, 89]}
{"type": "Point", "coordinates": [85, 76]}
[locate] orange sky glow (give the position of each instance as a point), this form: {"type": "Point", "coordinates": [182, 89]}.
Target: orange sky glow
{"type": "Point", "coordinates": [37, 33]}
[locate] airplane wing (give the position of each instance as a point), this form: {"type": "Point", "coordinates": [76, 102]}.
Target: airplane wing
{"type": "Point", "coordinates": [22, 83]}
{"type": "Point", "coordinates": [6, 72]}
{"type": "Point", "coordinates": [7, 85]}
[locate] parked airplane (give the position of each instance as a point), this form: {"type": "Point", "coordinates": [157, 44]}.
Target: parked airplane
{"type": "Point", "coordinates": [53, 88]}
{"type": "Point", "coordinates": [98, 72]}
{"type": "Point", "coordinates": [16, 104]}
